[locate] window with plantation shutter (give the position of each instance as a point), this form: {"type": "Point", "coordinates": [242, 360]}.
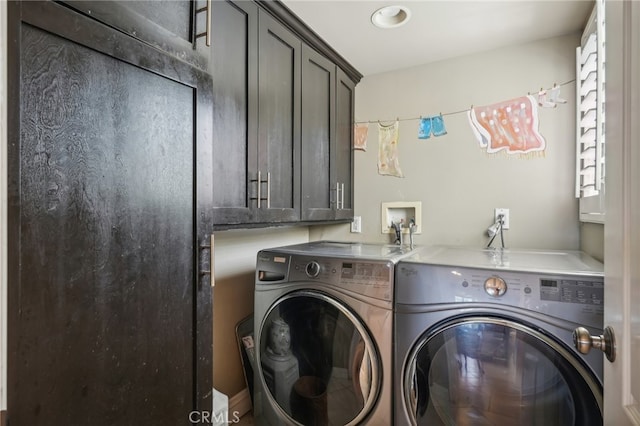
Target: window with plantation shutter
{"type": "Point", "coordinates": [590, 135]}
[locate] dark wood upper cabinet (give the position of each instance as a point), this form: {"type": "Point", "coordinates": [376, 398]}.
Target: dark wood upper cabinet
{"type": "Point", "coordinates": [344, 153]}
{"type": "Point", "coordinates": [256, 122]}
{"type": "Point", "coordinates": [327, 140]}
{"type": "Point", "coordinates": [174, 26]}
{"type": "Point", "coordinates": [320, 187]}
{"type": "Point", "coordinates": [109, 167]}
{"type": "Point", "coordinates": [234, 66]}
{"type": "Point", "coordinates": [283, 120]}
{"type": "Point", "coordinates": [279, 84]}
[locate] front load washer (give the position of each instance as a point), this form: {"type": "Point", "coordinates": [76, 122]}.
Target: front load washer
{"type": "Point", "coordinates": [323, 334]}
{"type": "Point", "coordinates": [484, 337]}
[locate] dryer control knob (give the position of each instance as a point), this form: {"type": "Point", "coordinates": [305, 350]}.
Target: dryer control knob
{"type": "Point", "coordinates": [495, 286]}
{"type": "Point", "coordinates": [312, 269]}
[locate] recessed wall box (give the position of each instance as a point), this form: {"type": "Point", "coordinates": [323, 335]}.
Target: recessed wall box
{"type": "Point", "coordinates": [401, 212]}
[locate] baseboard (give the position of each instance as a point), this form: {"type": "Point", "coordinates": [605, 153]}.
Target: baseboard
{"type": "Point", "coordinates": [240, 403]}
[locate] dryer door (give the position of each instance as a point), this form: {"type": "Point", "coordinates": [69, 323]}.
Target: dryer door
{"type": "Point", "coordinates": [485, 370]}
{"type": "Point", "coordinates": [317, 361]}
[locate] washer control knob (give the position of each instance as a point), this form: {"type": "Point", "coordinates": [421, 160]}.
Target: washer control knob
{"type": "Point", "coordinates": [495, 286]}
{"type": "Point", "coordinates": [312, 269]}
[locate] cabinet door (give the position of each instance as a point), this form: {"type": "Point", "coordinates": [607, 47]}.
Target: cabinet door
{"type": "Point", "coordinates": [234, 65]}
{"type": "Point", "coordinates": [345, 95]}
{"type": "Point", "coordinates": [108, 323]}
{"type": "Point", "coordinates": [278, 122]}
{"type": "Point", "coordinates": [319, 184]}
{"type": "Point", "coordinates": [170, 25]}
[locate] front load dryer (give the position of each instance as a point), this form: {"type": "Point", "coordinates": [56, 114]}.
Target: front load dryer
{"type": "Point", "coordinates": [323, 334]}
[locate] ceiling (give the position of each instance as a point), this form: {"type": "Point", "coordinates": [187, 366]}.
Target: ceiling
{"type": "Point", "coordinates": [437, 30]}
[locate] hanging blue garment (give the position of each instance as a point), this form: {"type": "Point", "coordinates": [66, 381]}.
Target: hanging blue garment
{"type": "Point", "coordinates": [437, 125]}
{"type": "Point", "coordinates": [431, 125]}
{"type": "Point", "coordinates": [424, 129]}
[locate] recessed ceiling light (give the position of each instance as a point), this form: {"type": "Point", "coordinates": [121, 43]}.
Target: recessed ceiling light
{"type": "Point", "coordinates": [390, 16]}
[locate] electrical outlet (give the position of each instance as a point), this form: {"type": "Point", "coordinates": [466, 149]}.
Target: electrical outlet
{"type": "Point", "coordinates": [505, 217]}
{"type": "Point", "coordinates": [356, 224]}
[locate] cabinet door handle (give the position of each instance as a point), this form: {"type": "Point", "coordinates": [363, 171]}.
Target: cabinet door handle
{"type": "Point", "coordinates": [259, 188]}
{"type": "Point", "coordinates": [258, 181]}
{"type": "Point", "coordinates": [268, 190]}
{"type": "Point", "coordinates": [339, 196]}
{"type": "Point", "coordinates": [207, 33]}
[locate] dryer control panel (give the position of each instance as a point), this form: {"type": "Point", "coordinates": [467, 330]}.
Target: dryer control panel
{"type": "Point", "coordinates": [372, 278]}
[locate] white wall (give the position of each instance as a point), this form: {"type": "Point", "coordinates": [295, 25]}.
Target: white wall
{"type": "Point", "coordinates": [459, 184]}
{"type": "Point", "coordinates": [235, 261]}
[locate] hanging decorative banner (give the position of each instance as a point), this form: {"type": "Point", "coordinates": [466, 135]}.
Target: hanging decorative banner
{"type": "Point", "coordinates": [388, 162]}
{"type": "Point", "coordinates": [431, 125]}
{"type": "Point", "coordinates": [360, 137]}
{"type": "Point", "coordinates": [510, 126]}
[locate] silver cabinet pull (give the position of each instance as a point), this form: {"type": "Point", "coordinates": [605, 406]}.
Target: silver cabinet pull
{"type": "Point", "coordinates": [259, 197]}
{"type": "Point", "coordinates": [268, 190]}
{"type": "Point", "coordinates": [584, 341]}
{"type": "Point", "coordinates": [207, 33]}
{"type": "Point", "coordinates": [259, 188]}
{"type": "Point", "coordinates": [339, 196]}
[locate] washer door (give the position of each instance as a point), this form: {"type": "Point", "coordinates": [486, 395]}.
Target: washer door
{"type": "Point", "coordinates": [317, 361]}
{"type": "Point", "coordinates": [488, 371]}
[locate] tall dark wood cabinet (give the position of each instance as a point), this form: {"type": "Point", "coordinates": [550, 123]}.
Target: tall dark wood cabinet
{"type": "Point", "coordinates": [109, 320]}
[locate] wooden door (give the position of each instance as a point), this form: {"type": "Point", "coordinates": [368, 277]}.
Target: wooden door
{"type": "Point", "coordinates": [278, 122]}
{"type": "Point", "coordinates": [319, 185]}
{"type": "Point", "coordinates": [108, 323]}
{"type": "Point", "coordinates": [234, 64]}
{"type": "Point", "coordinates": [344, 158]}
{"type": "Point", "coordinates": [622, 222]}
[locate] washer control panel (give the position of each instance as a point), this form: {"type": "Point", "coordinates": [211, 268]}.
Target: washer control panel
{"type": "Point", "coordinates": [576, 297]}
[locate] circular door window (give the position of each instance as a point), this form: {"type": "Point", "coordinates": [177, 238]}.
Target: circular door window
{"type": "Point", "coordinates": [317, 361]}
{"type": "Point", "coordinates": [494, 371]}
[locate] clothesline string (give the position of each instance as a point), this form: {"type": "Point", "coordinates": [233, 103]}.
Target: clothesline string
{"type": "Point", "coordinates": [442, 114]}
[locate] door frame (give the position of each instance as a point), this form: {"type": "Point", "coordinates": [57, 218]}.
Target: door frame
{"type": "Point", "coordinates": [621, 241]}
